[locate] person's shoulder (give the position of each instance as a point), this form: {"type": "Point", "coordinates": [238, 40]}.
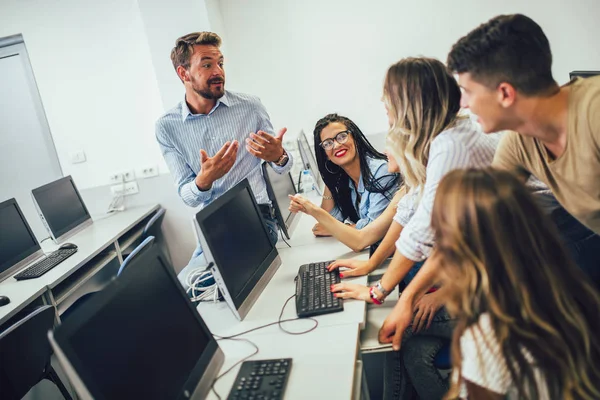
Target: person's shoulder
{"type": "Point", "coordinates": [175, 111]}
{"type": "Point", "coordinates": [377, 166]}
{"type": "Point", "coordinates": [237, 98]}
{"type": "Point", "coordinates": [587, 84]}
{"type": "Point", "coordinates": [586, 93]}
{"type": "Point", "coordinates": [163, 121]}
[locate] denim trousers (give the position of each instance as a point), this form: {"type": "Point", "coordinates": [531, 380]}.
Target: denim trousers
{"type": "Point", "coordinates": [410, 372]}
{"type": "Point", "coordinates": [581, 243]}
{"type": "Point", "coordinates": [198, 260]}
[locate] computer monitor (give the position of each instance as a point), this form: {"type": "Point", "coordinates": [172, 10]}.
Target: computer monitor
{"type": "Point", "coordinates": [310, 162]}
{"type": "Point", "coordinates": [279, 187]}
{"type": "Point", "coordinates": [236, 245]}
{"type": "Point", "coordinates": [18, 244]}
{"type": "Point", "coordinates": [61, 208]}
{"type": "Point", "coordinates": [140, 337]}
{"type": "Point", "coordinates": [583, 74]}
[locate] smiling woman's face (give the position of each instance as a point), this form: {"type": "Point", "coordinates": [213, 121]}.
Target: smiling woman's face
{"type": "Point", "coordinates": [339, 154]}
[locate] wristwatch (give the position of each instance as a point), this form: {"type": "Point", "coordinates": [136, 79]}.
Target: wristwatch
{"type": "Point", "coordinates": [281, 161]}
{"type": "Point", "coordinates": [379, 287]}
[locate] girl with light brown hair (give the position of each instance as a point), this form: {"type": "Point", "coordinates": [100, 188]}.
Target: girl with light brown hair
{"type": "Point", "coordinates": [527, 317]}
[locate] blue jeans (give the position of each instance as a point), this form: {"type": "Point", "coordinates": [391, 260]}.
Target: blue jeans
{"type": "Point", "coordinates": [582, 243]}
{"type": "Point", "coordinates": [198, 260]}
{"type": "Point", "coordinates": [410, 372]}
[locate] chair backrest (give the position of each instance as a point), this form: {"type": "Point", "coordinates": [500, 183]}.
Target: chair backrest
{"type": "Point", "coordinates": [145, 245]}
{"type": "Point", "coordinates": [25, 352]}
{"type": "Point", "coordinates": [152, 228]}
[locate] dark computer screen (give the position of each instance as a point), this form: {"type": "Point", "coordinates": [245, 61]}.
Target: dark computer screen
{"type": "Point", "coordinates": [61, 205]}
{"type": "Point", "coordinates": [17, 241]}
{"type": "Point", "coordinates": [233, 228]}
{"type": "Point", "coordinates": [282, 185]}
{"type": "Point", "coordinates": [142, 340]}
{"type": "Point", "coordinates": [309, 160]}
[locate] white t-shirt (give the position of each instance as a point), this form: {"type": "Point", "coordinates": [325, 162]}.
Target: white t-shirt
{"type": "Point", "coordinates": [484, 365]}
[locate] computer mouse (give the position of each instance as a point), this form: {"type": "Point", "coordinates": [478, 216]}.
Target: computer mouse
{"type": "Point", "coordinates": [4, 301]}
{"type": "Point", "coordinates": [68, 246]}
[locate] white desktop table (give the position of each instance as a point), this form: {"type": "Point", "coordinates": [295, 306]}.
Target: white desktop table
{"type": "Point", "coordinates": [323, 361]}
{"type": "Point", "coordinates": [100, 247]}
{"type": "Point", "coordinates": [267, 308]}
{"type": "Point", "coordinates": [326, 361]}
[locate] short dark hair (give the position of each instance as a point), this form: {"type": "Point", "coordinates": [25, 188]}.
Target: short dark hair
{"type": "Point", "coordinates": [184, 47]}
{"type": "Point", "coordinates": [507, 48]}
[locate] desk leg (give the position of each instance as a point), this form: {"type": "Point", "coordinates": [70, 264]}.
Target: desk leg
{"type": "Point", "coordinates": [48, 298]}
{"type": "Point", "coordinates": [119, 252]}
{"type": "Point", "coordinates": [361, 389]}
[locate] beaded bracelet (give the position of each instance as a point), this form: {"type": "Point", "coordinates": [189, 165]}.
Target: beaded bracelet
{"type": "Point", "coordinates": [374, 296]}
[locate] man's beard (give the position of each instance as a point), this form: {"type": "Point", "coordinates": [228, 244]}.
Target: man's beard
{"type": "Point", "coordinates": [206, 91]}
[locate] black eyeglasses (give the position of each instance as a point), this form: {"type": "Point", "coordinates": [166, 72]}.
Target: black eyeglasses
{"type": "Point", "coordinates": [341, 138]}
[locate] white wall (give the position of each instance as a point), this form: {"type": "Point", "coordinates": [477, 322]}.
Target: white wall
{"type": "Point", "coordinates": [312, 57]}
{"type": "Point", "coordinates": [93, 68]}
{"type": "Point", "coordinates": [165, 21]}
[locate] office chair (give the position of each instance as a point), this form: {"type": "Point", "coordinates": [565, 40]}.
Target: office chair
{"type": "Point", "coordinates": [25, 353]}
{"type": "Point", "coordinates": [140, 249]}
{"type": "Point", "coordinates": [146, 244]}
{"type": "Point", "coordinates": [153, 228]}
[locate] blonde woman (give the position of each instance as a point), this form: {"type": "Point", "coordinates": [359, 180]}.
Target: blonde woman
{"type": "Point", "coordinates": [527, 317]}
{"type": "Point", "coordinates": [427, 139]}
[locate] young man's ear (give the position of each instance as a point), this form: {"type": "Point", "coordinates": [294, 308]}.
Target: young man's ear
{"type": "Point", "coordinates": [506, 94]}
{"type": "Point", "coordinates": [183, 73]}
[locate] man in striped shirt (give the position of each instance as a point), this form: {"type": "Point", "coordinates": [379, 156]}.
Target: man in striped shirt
{"type": "Point", "coordinates": [200, 137]}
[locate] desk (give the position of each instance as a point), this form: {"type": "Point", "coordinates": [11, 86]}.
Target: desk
{"type": "Point", "coordinates": [221, 320]}
{"type": "Point", "coordinates": [326, 361]}
{"type": "Point", "coordinates": [321, 369]}
{"type": "Point", "coordinates": [99, 254]}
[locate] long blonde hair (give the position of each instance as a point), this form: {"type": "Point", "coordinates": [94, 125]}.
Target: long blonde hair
{"type": "Point", "coordinates": [501, 255]}
{"type": "Point", "coordinates": [423, 99]}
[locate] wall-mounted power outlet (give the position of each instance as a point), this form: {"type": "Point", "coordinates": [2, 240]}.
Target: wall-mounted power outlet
{"type": "Point", "coordinates": [123, 176]}
{"type": "Point", "coordinates": [125, 189]}
{"type": "Point", "coordinates": [148, 171]}
{"type": "Point", "coordinates": [116, 178]}
{"type": "Point", "coordinates": [129, 175]}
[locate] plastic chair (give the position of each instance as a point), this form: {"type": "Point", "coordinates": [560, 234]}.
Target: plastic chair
{"type": "Point", "coordinates": [140, 249]}
{"type": "Point", "coordinates": [147, 243]}
{"type": "Point", "coordinates": [25, 353]}
{"type": "Point", "coordinates": [153, 228]}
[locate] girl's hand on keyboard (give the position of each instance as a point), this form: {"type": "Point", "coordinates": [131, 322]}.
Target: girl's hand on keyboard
{"type": "Point", "coordinates": [351, 291]}
{"type": "Point", "coordinates": [355, 267]}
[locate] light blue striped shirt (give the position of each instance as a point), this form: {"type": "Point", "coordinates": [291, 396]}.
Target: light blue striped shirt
{"type": "Point", "coordinates": [181, 135]}
{"type": "Point", "coordinates": [371, 204]}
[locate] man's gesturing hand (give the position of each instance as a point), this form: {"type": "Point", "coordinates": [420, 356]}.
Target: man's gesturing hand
{"type": "Point", "coordinates": [213, 168]}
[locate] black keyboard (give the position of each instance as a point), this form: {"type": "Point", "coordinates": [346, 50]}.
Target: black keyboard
{"type": "Point", "coordinates": [313, 290]}
{"type": "Point", "coordinates": [45, 264]}
{"type": "Point", "coordinates": [261, 380]}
